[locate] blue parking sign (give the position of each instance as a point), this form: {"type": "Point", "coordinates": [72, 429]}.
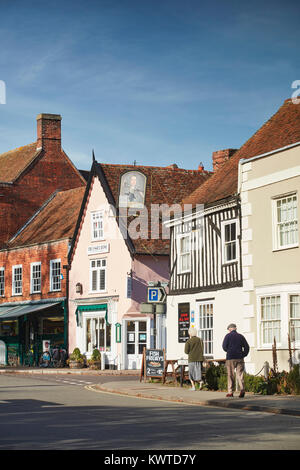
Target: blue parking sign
{"type": "Point", "coordinates": [156, 294]}
{"type": "Point", "coordinates": [153, 294]}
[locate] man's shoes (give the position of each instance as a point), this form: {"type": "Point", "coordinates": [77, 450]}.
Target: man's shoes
{"type": "Point", "coordinates": [192, 389]}
{"type": "Point", "coordinates": [242, 394]}
{"type": "Point", "coordinates": [229, 395]}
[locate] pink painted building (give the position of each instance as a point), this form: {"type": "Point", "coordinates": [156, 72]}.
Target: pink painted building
{"type": "Point", "coordinates": [117, 249]}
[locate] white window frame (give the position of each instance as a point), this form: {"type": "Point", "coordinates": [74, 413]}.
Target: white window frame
{"type": "Point", "coordinates": [96, 316]}
{"type": "Point", "coordinates": [102, 262]}
{"type": "Point", "coordinates": [14, 281]}
{"type": "Point", "coordinates": [53, 288]}
{"type": "Point", "coordinates": [236, 241]}
{"type": "Point", "coordinates": [97, 233]}
{"type": "Point", "coordinates": [294, 340]}
{"type": "Point", "coordinates": [275, 228]}
{"type": "Point", "coordinates": [179, 237]}
{"type": "Point", "coordinates": [277, 300]}
{"type": "Point", "coordinates": [32, 266]}
{"type": "Point", "coordinates": [285, 292]}
{"type": "Point", "coordinates": [2, 282]}
{"type": "Point", "coordinates": [206, 327]}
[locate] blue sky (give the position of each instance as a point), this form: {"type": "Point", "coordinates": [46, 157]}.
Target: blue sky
{"type": "Point", "coordinates": [156, 81]}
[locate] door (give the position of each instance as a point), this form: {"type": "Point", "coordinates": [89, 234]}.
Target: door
{"type": "Point", "coordinates": [136, 341]}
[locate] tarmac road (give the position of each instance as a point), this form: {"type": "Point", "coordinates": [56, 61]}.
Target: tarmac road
{"type": "Point", "coordinates": [47, 414]}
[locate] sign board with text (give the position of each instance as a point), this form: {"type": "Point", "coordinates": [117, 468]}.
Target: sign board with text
{"type": "Point", "coordinates": [153, 363]}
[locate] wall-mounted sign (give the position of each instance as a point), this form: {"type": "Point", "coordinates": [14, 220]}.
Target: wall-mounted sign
{"type": "Point", "coordinates": [183, 322]}
{"type": "Point", "coordinates": [98, 249]}
{"type": "Point", "coordinates": [132, 189]}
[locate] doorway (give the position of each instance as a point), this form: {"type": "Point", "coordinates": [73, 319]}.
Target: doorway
{"type": "Point", "coordinates": [137, 335]}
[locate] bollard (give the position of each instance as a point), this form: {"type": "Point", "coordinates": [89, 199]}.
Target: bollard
{"type": "Point", "coordinates": [266, 370]}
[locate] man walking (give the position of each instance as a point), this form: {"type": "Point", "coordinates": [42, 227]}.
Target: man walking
{"type": "Point", "coordinates": [236, 348]}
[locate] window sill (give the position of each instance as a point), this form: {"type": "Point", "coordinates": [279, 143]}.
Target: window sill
{"type": "Point", "coordinates": [98, 292]}
{"type": "Point", "coordinates": [283, 248]}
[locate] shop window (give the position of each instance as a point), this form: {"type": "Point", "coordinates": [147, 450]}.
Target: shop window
{"type": "Point", "coordinates": [9, 328]}
{"type": "Point", "coordinates": [97, 333]}
{"type": "Point", "coordinates": [52, 326]}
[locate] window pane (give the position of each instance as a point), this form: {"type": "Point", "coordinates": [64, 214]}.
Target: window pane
{"type": "Point", "coordinates": [287, 223]}
{"type": "Point", "coordinates": [270, 319]}
{"type": "Point", "coordinates": [206, 327]}
{"type": "Point", "coordinates": [294, 321]}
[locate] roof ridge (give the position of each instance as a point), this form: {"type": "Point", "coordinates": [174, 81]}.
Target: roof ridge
{"type": "Point", "coordinates": [168, 168]}
{"type": "Point", "coordinates": [17, 148]}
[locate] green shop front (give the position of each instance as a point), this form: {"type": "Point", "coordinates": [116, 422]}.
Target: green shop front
{"type": "Point", "coordinates": [25, 329]}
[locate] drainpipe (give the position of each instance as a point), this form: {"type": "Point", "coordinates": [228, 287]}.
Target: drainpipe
{"type": "Point", "coordinates": [66, 309]}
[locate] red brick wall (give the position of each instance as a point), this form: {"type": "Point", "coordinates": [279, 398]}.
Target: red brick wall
{"type": "Point", "coordinates": [50, 171]}
{"type": "Point", "coordinates": [40, 253]}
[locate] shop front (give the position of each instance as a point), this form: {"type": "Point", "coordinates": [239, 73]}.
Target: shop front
{"type": "Point", "coordinates": [26, 328]}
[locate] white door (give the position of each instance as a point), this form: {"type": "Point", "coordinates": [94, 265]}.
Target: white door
{"type": "Point", "coordinates": [2, 353]}
{"type": "Point", "coordinates": [136, 341]}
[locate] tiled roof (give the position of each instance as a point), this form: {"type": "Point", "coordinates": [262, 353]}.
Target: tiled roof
{"type": "Point", "coordinates": [12, 163]}
{"type": "Point", "coordinates": [281, 130]}
{"type": "Point", "coordinates": [165, 185]}
{"type": "Point", "coordinates": [54, 221]}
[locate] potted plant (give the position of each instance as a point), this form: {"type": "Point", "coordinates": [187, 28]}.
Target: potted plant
{"type": "Point", "coordinates": [76, 359]}
{"type": "Point", "coordinates": [95, 361]}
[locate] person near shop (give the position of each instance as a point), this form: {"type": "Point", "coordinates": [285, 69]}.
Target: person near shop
{"type": "Point", "coordinates": [236, 347]}
{"type": "Point", "coordinates": [194, 348]}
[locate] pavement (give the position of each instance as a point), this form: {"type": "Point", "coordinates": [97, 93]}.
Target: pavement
{"type": "Point", "coordinates": [277, 404]}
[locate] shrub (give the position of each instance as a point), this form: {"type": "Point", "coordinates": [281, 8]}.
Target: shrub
{"type": "Point", "coordinates": [293, 380]}
{"type": "Point", "coordinates": [216, 377]}
{"type": "Point", "coordinates": [96, 356]}
{"type": "Point", "coordinates": [76, 355]}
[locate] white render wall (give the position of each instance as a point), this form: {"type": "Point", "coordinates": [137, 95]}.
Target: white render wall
{"type": "Point", "coordinates": [228, 308]}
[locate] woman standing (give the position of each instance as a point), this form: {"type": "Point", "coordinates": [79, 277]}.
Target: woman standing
{"type": "Point", "coordinates": [194, 349]}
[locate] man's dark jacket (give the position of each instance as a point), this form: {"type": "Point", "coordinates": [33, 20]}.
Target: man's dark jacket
{"type": "Point", "coordinates": [235, 345]}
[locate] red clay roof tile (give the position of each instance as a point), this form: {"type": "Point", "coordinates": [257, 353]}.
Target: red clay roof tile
{"type": "Point", "coordinates": [281, 130]}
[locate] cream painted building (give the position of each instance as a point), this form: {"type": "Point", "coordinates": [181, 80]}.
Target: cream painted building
{"type": "Point", "coordinates": [269, 186]}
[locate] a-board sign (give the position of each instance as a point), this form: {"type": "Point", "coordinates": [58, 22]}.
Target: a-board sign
{"type": "Point", "coordinates": [153, 363]}
{"type": "Point", "coordinates": [183, 322]}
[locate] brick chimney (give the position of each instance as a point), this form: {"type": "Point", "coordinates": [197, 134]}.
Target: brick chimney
{"type": "Point", "coordinates": [221, 156]}
{"type": "Point", "coordinates": [48, 131]}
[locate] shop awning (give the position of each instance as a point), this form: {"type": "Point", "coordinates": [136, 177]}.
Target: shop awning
{"type": "Point", "coordinates": [19, 310]}
{"type": "Point", "coordinates": [89, 308]}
